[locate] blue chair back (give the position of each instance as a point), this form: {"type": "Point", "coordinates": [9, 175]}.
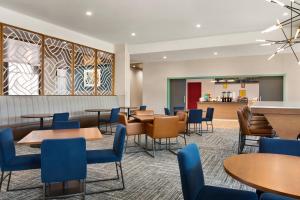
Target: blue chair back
{"type": "Point", "coordinates": [60, 117]}
{"type": "Point", "coordinates": [63, 160]}
{"type": "Point", "coordinates": [195, 116]}
{"type": "Point", "coordinates": [143, 107]}
{"type": "Point", "coordinates": [279, 146]}
{"type": "Point", "coordinates": [119, 141]}
{"type": "Point", "coordinates": [114, 115]}
{"type": "Point", "coordinates": [209, 114]}
{"type": "Point", "coordinates": [167, 111]}
{"type": "Point", "coordinates": [7, 146]}
{"type": "Point", "coordinates": [192, 179]}
{"type": "Point", "coordinates": [66, 125]}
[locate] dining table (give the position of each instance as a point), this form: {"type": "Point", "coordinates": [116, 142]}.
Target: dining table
{"type": "Point", "coordinates": [147, 118]}
{"type": "Point", "coordinates": [98, 111]}
{"type": "Point", "coordinates": [36, 137]}
{"type": "Point", "coordinates": [273, 173]}
{"type": "Point", "coordinates": [129, 109]}
{"type": "Point", "coordinates": [41, 117]}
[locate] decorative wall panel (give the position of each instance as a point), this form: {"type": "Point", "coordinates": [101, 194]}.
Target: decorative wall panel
{"type": "Point", "coordinates": [57, 67]}
{"type": "Point", "coordinates": [84, 72]}
{"type": "Point", "coordinates": [21, 62]}
{"type": "Point", "coordinates": [35, 64]}
{"type": "Point", "coordinates": [105, 72]}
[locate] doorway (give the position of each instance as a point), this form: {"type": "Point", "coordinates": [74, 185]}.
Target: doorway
{"type": "Point", "coordinates": [177, 93]}
{"type": "Point", "coordinates": [194, 93]}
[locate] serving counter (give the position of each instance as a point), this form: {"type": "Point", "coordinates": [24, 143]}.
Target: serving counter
{"type": "Point", "coordinates": [223, 110]}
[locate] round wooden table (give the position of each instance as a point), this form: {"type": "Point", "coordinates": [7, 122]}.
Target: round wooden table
{"type": "Point", "coordinates": [98, 111]}
{"type": "Point", "coordinates": [129, 108]}
{"type": "Point", "coordinates": [274, 173]}
{"type": "Point", "coordinates": [38, 116]}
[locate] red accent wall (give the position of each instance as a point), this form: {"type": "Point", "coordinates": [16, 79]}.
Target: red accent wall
{"type": "Point", "coordinates": [194, 93]}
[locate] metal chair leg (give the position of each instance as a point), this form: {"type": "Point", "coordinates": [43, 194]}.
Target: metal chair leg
{"type": "Point", "coordinates": [117, 170]}
{"type": "Point", "coordinates": [44, 191]}
{"type": "Point", "coordinates": [8, 183]}
{"type": "Point", "coordinates": [153, 147]}
{"type": "Point", "coordinates": [123, 182]}
{"type": "Point", "coordinates": [1, 180]}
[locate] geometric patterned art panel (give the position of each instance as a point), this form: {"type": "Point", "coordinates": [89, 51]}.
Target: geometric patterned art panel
{"type": "Point", "coordinates": [21, 62]}
{"type": "Point", "coordinates": [57, 67]}
{"type": "Point", "coordinates": [84, 70]}
{"type": "Point", "coordinates": [105, 69]}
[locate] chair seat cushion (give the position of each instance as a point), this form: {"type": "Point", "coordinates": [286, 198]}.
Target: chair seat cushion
{"type": "Point", "coordinates": [217, 193]}
{"type": "Point", "coordinates": [270, 196]}
{"type": "Point", "coordinates": [23, 162]}
{"type": "Point", "coordinates": [102, 156]}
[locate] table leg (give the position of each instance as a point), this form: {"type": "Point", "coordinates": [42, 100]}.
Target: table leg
{"type": "Point", "coordinates": [41, 123]}
{"type": "Point", "coordinates": [128, 114]}
{"type": "Point", "coordinates": [98, 119]}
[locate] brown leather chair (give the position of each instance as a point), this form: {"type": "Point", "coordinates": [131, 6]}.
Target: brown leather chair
{"type": "Point", "coordinates": [182, 123]}
{"type": "Point", "coordinates": [260, 121]}
{"type": "Point", "coordinates": [144, 112]}
{"type": "Point", "coordinates": [246, 129]}
{"type": "Point", "coordinates": [133, 128]}
{"type": "Point", "coordinates": [162, 128]}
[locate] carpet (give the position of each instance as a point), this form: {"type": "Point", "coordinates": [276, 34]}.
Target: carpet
{"type": "Point", "coordinates": [145, 177]}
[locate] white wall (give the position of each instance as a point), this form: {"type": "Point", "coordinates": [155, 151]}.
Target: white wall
{"type": "Point", "coordinates": [24, 21]}
{"type": "Point", "coordinates": [122, 74]}
{"type": "Point", "coordinates": [156, 74]}
{"type": "Point", "coordinates": [136, 87]}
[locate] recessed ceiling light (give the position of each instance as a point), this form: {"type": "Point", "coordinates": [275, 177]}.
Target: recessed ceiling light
{"type": "Point", "coordinates": [198, 25]}
{"type": "Point", "coordinates": [216, 53]}
{"type": "Point", "coordinates": [165, 57]}
{"type": "Point", "coordinates": [133, 34]}
{"type": "Point", "coordinates": [88, 13]}
{"type": "Point", "coordinates": [285, 14]}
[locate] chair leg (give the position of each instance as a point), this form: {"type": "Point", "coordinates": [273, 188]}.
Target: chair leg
{"type": "Point", "coordinates": [122, 177]}
{"type": "Point", "coordinates": [8, 182]}
{"type": "Point", "coordinates": [1, 180]}
{"type": "Point", "coordinates": [44, 191]}
{"type": "Point", "coordinates": [117, 170]}
{"type": "Point", "coordinates": [153, 147]}
{"type": "Point", "coordinates": [84, 189]}
{"type": "Point", "coordinates": [111, 131]}
{"type": "Point", "coordinates": [126, 144]}
{"type": "Point", "coordinates": [184, 137]}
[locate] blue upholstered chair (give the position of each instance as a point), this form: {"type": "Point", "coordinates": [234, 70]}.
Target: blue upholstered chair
{"type": "Point", "coordinates": [114, 118]}
{"type": "Point", "coordinates": [192, 180]}
{"type": "Point", "coordinates": [195, 118]}
{"type": "Point", "coordinates": [270, 196]}
{"type": "Point", "coordinates": [113, 155]}
{"type": "Point", "coordinates": [60, 117]}
{"type": "Point", "coordinates": [208, 119]}
{"type": "Point", "coordinates": [177, 108]}
{"type": "Point", "coordinates": [167, 111]}
{"type": "Point", "coordinates": [143, 107]}
{"type": "Point", "coordinates": [63, 160]}
{"type": "Point", "coordinates": [9, 162]}
{"type": "Point", "coordinates": [277, 146]}
{"type": "Point", "coordinates": [66, 125]}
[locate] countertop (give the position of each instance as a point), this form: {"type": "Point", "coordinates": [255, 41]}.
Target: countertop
{"type": "Point", "coordinates": [220, 102]}
{"type": "Point", "coordinates": [276, 104]}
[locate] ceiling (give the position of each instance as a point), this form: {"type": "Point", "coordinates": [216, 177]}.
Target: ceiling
{"type": "Point", "coordinates": [207, 53]}
{"type": "Point", "coordinates": [152, 20]}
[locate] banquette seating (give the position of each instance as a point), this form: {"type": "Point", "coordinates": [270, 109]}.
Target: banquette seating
{"type": "Point", "coordinates": [13, 107]}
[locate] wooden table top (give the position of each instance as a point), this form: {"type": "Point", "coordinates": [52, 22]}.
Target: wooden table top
{"type": "Point", "coordinates": [286, 126]}
{"type": "Point", "coordinates": [98, 110]}
{"type": "Point", "coordinates": [36, 137]}
{"type": "Point", "coordinates": [129, 107]}
{"type": "Point", "coordinates": [274, 173]}
{"type": "Point", "coordinates": [146, 118]}
{"type": "Point", "coordinates": [37, 116]}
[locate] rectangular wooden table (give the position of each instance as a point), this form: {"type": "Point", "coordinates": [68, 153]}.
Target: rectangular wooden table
{"type": "Point", "coordinates": [146, 118]}
{"type": "Point", "coordinates": [36, 137]}
{"type": "Point", "coordinates": [284, 117]}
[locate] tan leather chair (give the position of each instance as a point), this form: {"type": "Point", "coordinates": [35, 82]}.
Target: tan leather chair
{"type": "Point", "coordinates": [144, 112]}
{"type": "Point", "coordinates": [162, 128]}
{"type": "Point", "coordinates": [246, 129]}
{"type": "Point", "coordinates": [182, 123]}
{"type": "Point", "coordinates": [133, 128]}
{"type": "Point", "coordinates": [254, 120]}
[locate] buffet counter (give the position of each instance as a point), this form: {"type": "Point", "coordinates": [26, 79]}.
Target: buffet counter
{"type": "Point", "coordinates": [223, 110]}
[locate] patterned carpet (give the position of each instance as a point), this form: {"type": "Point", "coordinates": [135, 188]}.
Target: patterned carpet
{"type": "Point", "coordinates": [145, 177]}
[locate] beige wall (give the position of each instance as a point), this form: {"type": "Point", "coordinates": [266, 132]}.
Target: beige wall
{"type": "Point", "coordinates": [136, 87]}
{"type": "Point", "coordinates": [156, 74]}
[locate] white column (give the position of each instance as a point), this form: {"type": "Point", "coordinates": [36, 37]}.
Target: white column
{"type": "Point", "coordinates": [122, 74]}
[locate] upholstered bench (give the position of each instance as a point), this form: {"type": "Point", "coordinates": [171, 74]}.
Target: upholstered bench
{"type": "Point", "coordinates": [13, 107]}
